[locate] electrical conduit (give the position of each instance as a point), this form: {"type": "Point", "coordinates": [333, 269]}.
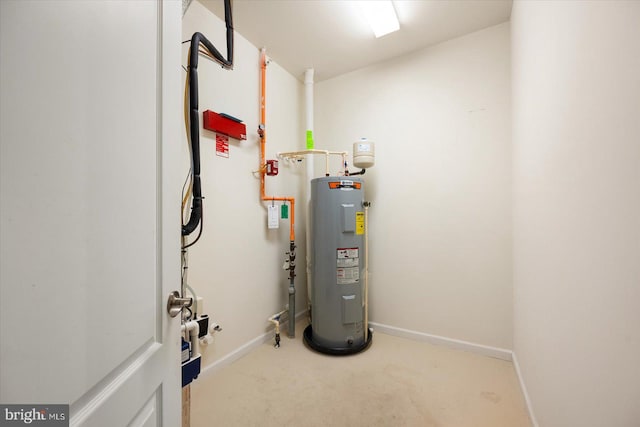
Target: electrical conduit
{"type": "Point", "coordinates": [194, 123]}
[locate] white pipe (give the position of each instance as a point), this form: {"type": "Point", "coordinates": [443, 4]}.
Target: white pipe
{"type": "Point", "coordinates": [275, 319]}
{"type": "Point", "coordinates": [193, 329]}
{"type": "Point", "coordinates": [326, 153]}
{"type": "Point", "coordinates": [326, 165]}
{"type": "Point", "coordinates": [308, 97]}
{"type": "Point", "coordinates": [285, 154]}
{"type": "Point", "coordinates": [308, 108]}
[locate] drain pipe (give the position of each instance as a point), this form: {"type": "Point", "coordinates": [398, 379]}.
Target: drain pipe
{"type": "Point", "coordinates": [308, 97]}
{"type": "Point", "coordinates": [192, 328]}
{"type": "Point", "coordinates": [275, 319]}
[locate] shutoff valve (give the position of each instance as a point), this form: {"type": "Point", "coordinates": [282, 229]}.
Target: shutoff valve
{"type": "Point", "coordinates": [290, 263]}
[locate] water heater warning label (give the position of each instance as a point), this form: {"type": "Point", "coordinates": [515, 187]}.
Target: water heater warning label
{"type": "Point", "coordinates": [348, 262]}
{"type": "Point", "coordinates": [348, 266]}
{"type": "Point", "coordinates": [359, 222]}
{"type": "Point", "coordinates": [347, 253]}
{"type": "Point", "coordinates": [348, 276]}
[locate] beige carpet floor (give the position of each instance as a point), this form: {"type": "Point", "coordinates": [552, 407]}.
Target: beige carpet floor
{"type": "Point", "coordinates": [396, 382]}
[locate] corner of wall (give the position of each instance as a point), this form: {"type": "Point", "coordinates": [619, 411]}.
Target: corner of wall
{"type": "Point", "coordinates": [523, 388]}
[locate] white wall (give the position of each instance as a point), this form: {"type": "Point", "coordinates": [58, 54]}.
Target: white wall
{"type": "Point", "coordinates": [237, 264]}
{"type": "Point", "coordinates": [440, 227]}
{"type": "Point", "coordinates": [576, 135]}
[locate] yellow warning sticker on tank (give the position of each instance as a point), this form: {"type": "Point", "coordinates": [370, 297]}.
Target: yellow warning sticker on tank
{"type": "Point", "coordinates": [359, 222]}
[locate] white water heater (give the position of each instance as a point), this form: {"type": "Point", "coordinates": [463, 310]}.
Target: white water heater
{"type": "Point", "coordinates": [337, 261]}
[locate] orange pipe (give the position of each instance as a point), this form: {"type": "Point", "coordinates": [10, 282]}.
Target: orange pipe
{"type": "Point", "coordinates": [263, 142]}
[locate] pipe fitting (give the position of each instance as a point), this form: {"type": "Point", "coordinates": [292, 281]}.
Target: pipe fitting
{"type": "Point", "coordinates": [277, 344]}
{"type": "Point", "coordinates": [192, 328]}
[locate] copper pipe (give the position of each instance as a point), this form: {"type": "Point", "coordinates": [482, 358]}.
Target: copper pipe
{"type": "Point", "coordinates": [263, 142]}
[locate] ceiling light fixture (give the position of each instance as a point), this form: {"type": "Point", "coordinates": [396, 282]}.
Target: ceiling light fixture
{"type": "Point", "coordinates": [380, 15]}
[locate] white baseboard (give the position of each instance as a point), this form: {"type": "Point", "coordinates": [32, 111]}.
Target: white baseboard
{"type": "Point", "coordinates": [499, 353]}
{"type": "Point", "coordinates": [236, 354]}
{"type": "Point", "coordinates": [244, 349]}
{"type": "Point", "coordinates": [523, 387]}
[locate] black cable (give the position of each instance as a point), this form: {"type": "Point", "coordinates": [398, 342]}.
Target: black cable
{"type": "Point", "coordinates": [199, 232]}
{"type": "Point", "coordinates": [194, 123]}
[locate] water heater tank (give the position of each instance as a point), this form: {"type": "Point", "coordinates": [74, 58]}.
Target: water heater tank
{"type": "Point", "coordinates": [337, 266]}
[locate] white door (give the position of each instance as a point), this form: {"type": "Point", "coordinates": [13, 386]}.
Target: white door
{"type": "Point", "coordinates": [90, 218]}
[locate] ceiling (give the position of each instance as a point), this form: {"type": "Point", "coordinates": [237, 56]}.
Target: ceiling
{"type": "Point", "coordinates": [331, 36]}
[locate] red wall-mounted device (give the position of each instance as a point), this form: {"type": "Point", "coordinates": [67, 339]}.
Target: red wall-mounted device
{"type": "Point", "coordinates": [224, 124]}
{"type": "Point", "coordinates": [272, 167]}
